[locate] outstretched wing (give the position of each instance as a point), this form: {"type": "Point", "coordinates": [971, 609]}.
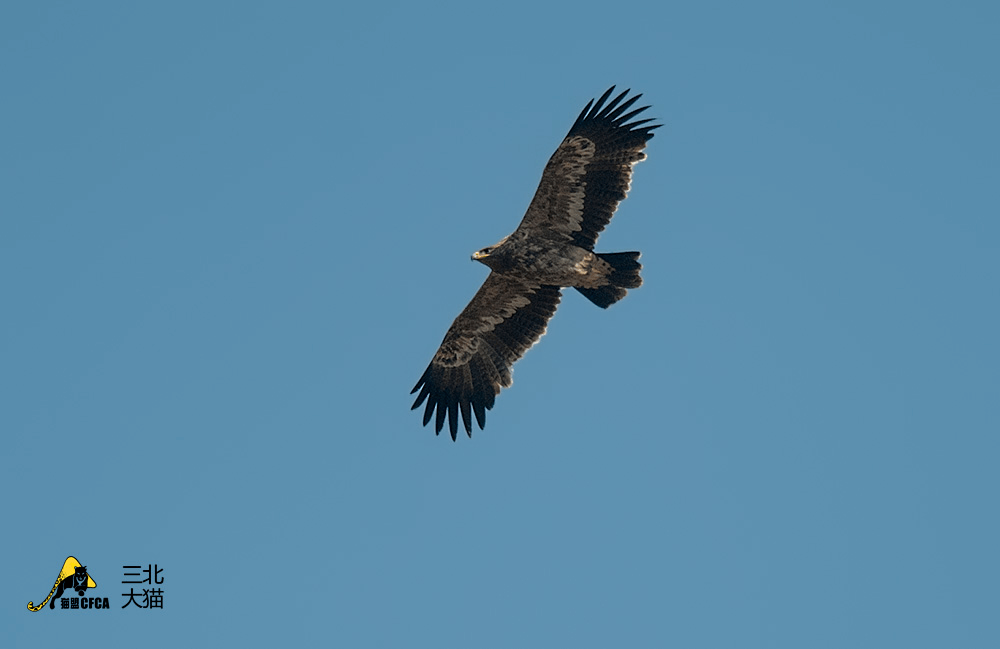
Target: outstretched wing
{"type": "Point", "coordinates": [590, 172]}
{"type": "Point", "coordinates": [504, 319]}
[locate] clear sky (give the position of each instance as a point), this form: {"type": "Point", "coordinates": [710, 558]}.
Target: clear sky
{"type": "Point", "coordinates": [232, 235]}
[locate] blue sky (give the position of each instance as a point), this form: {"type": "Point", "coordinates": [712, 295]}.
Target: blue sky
{"type": "Point", "coordinates": [233, 235]}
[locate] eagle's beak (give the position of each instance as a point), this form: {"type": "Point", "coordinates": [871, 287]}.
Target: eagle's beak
{"type": "Point", "coordinates": [479, 255]}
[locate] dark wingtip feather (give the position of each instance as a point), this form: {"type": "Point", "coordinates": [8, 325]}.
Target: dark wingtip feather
{"type": "Point", "coordinates": [625, 118]}
{"type": "Point", "coordinates": [583, 113]}
{"type": "Point", "coordinates": [639, 122]}
{"type": "Point", "coordinates": [466, 415]}
{"type": "Point", "coordinates": [610, 107]}
{"type": "Point", "coordinates": [613, 115]}
{"type": "Point", "coordinates": [420, 397]}
{"type": "Point", "coordinates": [479, 408]}
{"type": "Point", "coordinates": [422, 381]}
{"type": "Point", "coordinates": [600, 102]}
{"type": "Point", "coordinates": [453, 418]}
{"type": "Point", "coordinates": [442, 410]}
{"type": "Point", "coordinates": [429, 410]}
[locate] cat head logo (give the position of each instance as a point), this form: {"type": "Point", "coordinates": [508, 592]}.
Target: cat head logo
{"type": "Point", "coordinates": [72, 577]}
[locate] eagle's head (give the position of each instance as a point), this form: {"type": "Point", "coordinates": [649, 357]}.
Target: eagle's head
{"type": "Point", "coordinates": [486, 255]}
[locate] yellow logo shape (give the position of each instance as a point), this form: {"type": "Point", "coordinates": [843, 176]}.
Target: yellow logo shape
{"type": "Point", "coordinates": [68, 570]}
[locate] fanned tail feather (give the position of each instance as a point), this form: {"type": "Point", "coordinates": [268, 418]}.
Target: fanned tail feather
{"type": "Point", "coordinates": [624, 275]}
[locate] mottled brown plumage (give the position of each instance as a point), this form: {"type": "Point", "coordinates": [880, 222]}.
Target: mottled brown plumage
{"type": "Point", "coordinates": [552, 248]}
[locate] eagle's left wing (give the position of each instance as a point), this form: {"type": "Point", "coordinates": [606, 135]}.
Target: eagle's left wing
{"type": "Point", "coordinates": [589, 174]}
{"type": "Point", "coordinates": [504, 319]}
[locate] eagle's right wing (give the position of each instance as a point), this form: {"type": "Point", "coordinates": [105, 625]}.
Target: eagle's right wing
{"type": "Point", "coordinates": [505, 318]}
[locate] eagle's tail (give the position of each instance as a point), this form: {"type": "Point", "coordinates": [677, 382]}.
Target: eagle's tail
{"type": "Point", "coordinates": [624, 274]}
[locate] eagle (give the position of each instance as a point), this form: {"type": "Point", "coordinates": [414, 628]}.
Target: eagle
{"type": "Point", "coordinates": [553, 248]}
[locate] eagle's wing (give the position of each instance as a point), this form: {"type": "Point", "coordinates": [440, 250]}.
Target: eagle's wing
{"type": "Point", "coordinates": [504, 319]}
{"type": "Point", "coordinates": [589, 174]}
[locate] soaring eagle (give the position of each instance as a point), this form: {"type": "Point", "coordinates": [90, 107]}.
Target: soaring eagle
{"type": "Point", "coordinates": [552, 248]}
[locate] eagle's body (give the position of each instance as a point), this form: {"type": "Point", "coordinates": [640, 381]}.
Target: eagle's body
{"type": "Point", "coordinates": [547, 262]}
{"type": "Point", "coordinates": [552, 249]}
